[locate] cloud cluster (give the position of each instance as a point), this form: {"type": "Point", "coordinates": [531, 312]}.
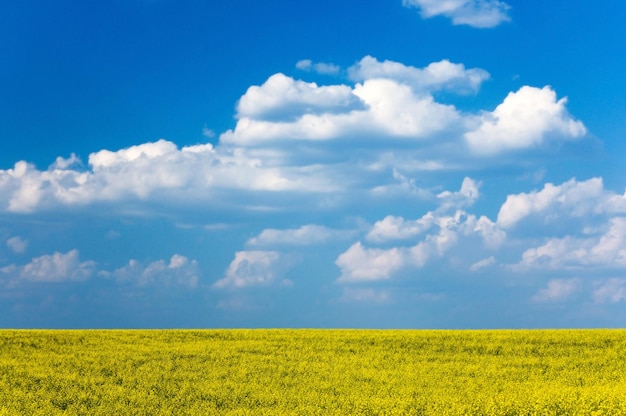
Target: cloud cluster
{"type": "Point", "coordinates": [437, 232]}
{"type": "Point", "coordinates": [67, 267]}
{"type": "Point", "coordinates": [290, 139]}
{"type": "Point", "coordinates": [475, 13]}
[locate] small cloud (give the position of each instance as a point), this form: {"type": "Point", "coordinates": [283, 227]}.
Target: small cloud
{"type": "Point", "coordinates": [306, 235]}
{"type": "Point", "coordinates": [253, 268]}
{"type": "Point", "coordinates": [179, 271]}
{"type": "Point", "coordinates": [610, 291]}
{"type": "Point", "coordinates": [489, 261]}
{"type": "Point", "coordinates": [319, 67]}
{"type": "Point", "coordinates": [366, 295]}
{"type": "Point", "coordinates": [57, 267]}
{"type": "Point", "coordinates": [208, 133]}
{"type": "Point", "coordinates": [558, 290]}
{"type": "Point", "coordinates": [17, 244]}
{"type": "Point", "coordinates": [476, 13]}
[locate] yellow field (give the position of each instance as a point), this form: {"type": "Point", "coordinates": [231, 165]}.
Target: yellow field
{"type": "Point", "coordinates": [313, 372]}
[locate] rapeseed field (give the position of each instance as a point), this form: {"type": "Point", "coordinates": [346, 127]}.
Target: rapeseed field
{"type": "Point", "coordinates": [312, 372]}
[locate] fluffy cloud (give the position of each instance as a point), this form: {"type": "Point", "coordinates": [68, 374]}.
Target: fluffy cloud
{"type": "Point", "coordinates": [390, 109]}
{"type": "Point", "coordinates": [179, 271]}
{"type": "Point", "coordinates": [481, 264]}
{"type": "Point", "coordinates": [558, 290]}
{"type": "Point", "coordinates": [524, 120]}
{"type": "Point", "coordinates": [570, 199]}
{"type": "Point", "coordinates": [283, 98]}
{"type": "Point", "coordinates": [606, 250]}
{"type": "Point", "coordinates": [475, 13]}
{"type": "Point", "coordinates": [305, 235]}
{"type": "Point", "coordinates": [252, 268]}
{"type": "Point", "coordinates": [53, 268]}
{"type": "Point", "coordinates": [156, 171]}
{"type": "Point", "coordinates": [442, 75]}
{"type": "Point", "coordinates": [441, 233]}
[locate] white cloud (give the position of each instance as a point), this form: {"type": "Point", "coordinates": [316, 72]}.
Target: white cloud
{"type": "Point", "coordinates": [525, 119]}
{"type": "Point", "coordinates": [154, 171]}
{"type": "Point", "coordinates": [179, 271]}
{"type": "Point", "coordinates": [481, 264]}
{"type": "Point", "coordinates": [17, 244]}
{"type": "Point", "coordinates": [558, 290]}
{"type": "Point", "coordinates": [397, 228]}
{"type": "Point", "coordinates": [319, 67]}
{"type": "Point", "coordinates": [390, 109]}
{"type": "Point", "coordinates": [466, 196]}
{"type": "Point", "coordinates": [306, 235]}
{"type": "Point", "coordinates": [570, 199]}
{"type": "Point", "coordinates": [475, 13]}
{"type": "Point", "coordinates": [361, 263]}
{"type": "Point", "coordinates": [442, 75]}
{"type": "Point", "coordinates": [610, 291]}
{"type": "Point", "coordinates": [282, 98]}
{"type": "Point", "coordinates": [57, 267]}
{"type": "Point", "coordinates": [607, 250]}
{"type": "Point", "coordinates": [252, 268]}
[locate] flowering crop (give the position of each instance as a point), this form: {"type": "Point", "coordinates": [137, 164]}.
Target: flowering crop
{"type": "Point", "coordinates": [313, 372]}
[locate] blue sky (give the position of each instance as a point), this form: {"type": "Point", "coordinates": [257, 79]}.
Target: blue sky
{"type": "Point", "coordinates": [390, 164]}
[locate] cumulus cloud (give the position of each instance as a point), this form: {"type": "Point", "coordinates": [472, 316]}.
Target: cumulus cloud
{"type": "Point", "coordinates": [319, 67]}
{"type": "Point", "coordinates": [306, 235]}
{"type": "Point", "coordinates": [558, 290]}
{"type": "Point", "coordinates": [253, 268]}
{"type": "Point", "coordinates": [153, 171]}
{"type": "Point", "coordinates": [570, 199]}
{"type": "Point", "coordinates": [17, 244]}
{"type": "Point", "coordinates": [475, 13]}
{"type": "Point", "coordinates": [283, 98]}
{"type": "Point", "coordinates": [442, 75]}
{"type": "Point", "coordinates": [525, 119]}
{"type": "Point", "coordinates": [606, 250]}
{"type": "Point", "coordinates": [52, 268]}
{"type": "Point", "coordinates": [390, 109]}
{"type": "Point", "coordinates": [179, 271]}
{"type": "Point", "coordinates": [440, 233]}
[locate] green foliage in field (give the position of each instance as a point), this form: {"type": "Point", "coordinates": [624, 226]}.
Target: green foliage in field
{"type": "Point", "coordinates": [313, 372]}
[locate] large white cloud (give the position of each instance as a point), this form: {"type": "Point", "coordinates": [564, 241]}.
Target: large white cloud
{"type": "Point", "coordinates": [391, 109]}
{"type": "Point", "coordinates": [154, 171]}
{"type": "Point", "coordinates": [525, 119]}
{"type": "Point", "coordinates": [475, 13]}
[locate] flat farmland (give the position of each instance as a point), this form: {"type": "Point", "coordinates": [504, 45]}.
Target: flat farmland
{"type": "Point", "coordinates": [312, 372]}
